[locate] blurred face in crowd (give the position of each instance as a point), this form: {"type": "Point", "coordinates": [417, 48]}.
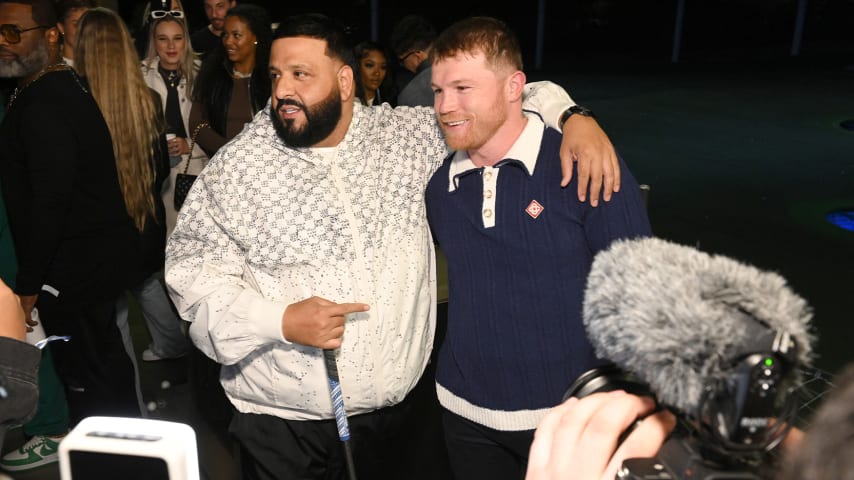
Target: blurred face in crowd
{"type": "Point", "coordinates": [29, 54]}
{"type": "Point", "coordinates": [373, 68]}
{"type": "Point", "coordinates": [470, 99]}
{"type": "Point", "coordinates": [170, 43]}
{"type": "Point", "coordinates": [411, 60]}
{"type": "Point", "coordinates": [309, 89]}
{"type": "Point", "coordinates": [240, 44]}
{"type": "Point", "coordinates": [68, 28]}
{"type": "Point", "coordinates": [215, 10]}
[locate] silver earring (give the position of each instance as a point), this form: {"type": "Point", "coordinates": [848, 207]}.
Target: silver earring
{"type": "Point", "coordinates": [256, 42]}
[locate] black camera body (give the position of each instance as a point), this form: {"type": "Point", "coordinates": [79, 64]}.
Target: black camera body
{"type": "Point", "coordinates": [680, 458]}
{"type": "Point", "coordinates": [731, 434]}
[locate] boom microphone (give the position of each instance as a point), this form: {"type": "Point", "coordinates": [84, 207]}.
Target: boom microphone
{"type": "Point", "coordinates": [681, 320]}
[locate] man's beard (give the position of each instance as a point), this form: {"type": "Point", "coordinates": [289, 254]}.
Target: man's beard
{"type": "Point", "coordinates": [320, 121]}
{"type": "Point", "coordinates": [27, 65]}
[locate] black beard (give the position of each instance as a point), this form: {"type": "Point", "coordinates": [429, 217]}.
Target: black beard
{"type": "Point", "coordinates": [320, 121]}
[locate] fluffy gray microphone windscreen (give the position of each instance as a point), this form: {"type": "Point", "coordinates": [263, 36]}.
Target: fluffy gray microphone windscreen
{"type": "Point", "coordinates": [668, 313]}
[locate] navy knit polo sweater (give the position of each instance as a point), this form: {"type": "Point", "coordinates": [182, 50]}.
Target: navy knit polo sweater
{"type": "Point", "coordinates": [515, 337]}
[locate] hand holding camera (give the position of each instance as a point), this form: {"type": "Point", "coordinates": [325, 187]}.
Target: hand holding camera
{"type": "Point", "coordinates": [581, 437]}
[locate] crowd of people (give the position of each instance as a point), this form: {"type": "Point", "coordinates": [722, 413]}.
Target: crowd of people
{"type": "Point", "coordinates": [321, 185]}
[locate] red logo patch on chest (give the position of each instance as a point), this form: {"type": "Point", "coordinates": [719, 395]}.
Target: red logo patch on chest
{"type": "Point", "coordinates": [534, 209]}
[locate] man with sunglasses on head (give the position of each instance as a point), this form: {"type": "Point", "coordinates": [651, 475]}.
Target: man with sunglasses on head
{"type": "Point", "coordinates": [76, 244]}
{"type": "Point", "coordinates": [207, 38]}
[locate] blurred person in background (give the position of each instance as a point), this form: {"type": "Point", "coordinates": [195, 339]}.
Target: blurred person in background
{"type": "Point", "coordinates": [135, 120]}
{"type": "Point", "coordinates": [69, 13]}
{"type": "Point", "coordinates": [207, 39]}
{"type": "Point", "coordinates": [154, 10]}
{"type": "Point", "coordinates": [411, 39]}
{"type": "Point", "coordinates": [170, 68]}
{"type": "Point", "coordinates": [375, 82]}
{"type": "Point", "coordinates": [73, 234]}
{"type": "Point", "coordinates": [233, 83]}
{"type": "Point", "coordinates": [50, 423]}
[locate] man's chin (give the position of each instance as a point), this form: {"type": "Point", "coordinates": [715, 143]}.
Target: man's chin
{"type": "Point", "coordinates": [455, 142]}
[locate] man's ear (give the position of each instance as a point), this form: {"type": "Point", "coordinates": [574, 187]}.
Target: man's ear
{"type": "Point", "coordinates": [516, 85]}
{"type": "Point", "coordinates": [345, 82]}
{"type": "Point", "coordinates": [51, 35]}
{"type": "Point", "coordinates": [60, 28]}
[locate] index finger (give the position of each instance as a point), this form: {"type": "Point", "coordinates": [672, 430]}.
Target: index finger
{"type": "Point", "coordinates": [346, 308]}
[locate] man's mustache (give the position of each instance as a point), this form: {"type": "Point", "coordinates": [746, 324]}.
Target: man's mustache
{"type": "Point", "coordinates": [280, 102]}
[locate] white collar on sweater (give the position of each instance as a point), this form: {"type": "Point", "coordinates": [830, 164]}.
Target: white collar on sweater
{"type": "Point", "coordinates": [526, 149]}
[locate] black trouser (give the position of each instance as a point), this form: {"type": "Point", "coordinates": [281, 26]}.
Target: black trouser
{"type": "Point", "coordinates": [94, 366]}
{"type": "Point", "coordinates": [477, 452]}
{"type": "Point", "coordinates": [274, 448]}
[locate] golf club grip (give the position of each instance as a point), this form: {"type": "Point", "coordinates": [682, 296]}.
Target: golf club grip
{"type": "Point", "coordinates": [336, 395]}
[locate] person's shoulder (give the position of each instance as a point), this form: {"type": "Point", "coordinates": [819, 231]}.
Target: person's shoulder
{"type": "Point", "coordinates": [202, 32]}
{"type": "Point", "coordinates": [400, 118]}
{"type": "Point", "coordinates": [418, 92]}
{"type": "Point", "coordinates": [256, 137]}
{"type": "Point", "coordinates": [63, 86]}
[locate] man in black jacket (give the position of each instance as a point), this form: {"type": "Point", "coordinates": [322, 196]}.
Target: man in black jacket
{"type": "Point", "coordinates": [77, 246]}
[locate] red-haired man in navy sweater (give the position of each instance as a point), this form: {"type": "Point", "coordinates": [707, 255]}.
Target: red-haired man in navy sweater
{"type": "Point", "coordinates": [519, 248]}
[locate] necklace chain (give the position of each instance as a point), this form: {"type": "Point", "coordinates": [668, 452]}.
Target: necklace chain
{"type": "Point", "coordinates": [171, 76]}
{"type": "Point", "coordinates": [55, 67]}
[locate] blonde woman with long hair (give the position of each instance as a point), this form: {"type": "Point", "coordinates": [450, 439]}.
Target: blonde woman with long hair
{"type": "Point", "coordinates": [170, 69]}
{"type": "Point", "coordinates": [106, 59]}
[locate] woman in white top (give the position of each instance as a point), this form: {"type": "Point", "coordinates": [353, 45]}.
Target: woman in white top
{"type": "Point", "coordinates": [170, 68]}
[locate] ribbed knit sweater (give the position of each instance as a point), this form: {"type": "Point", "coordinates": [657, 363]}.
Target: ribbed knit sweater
{"type": "Point", "coordinates": [515, 337]}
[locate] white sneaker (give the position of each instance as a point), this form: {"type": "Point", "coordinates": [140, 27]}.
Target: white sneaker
{"type": "Point", "coordinates": [39, 450]}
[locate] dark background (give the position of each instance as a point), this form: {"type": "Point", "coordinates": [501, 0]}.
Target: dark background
{"type": "Point", "coordinates": [639, 31]}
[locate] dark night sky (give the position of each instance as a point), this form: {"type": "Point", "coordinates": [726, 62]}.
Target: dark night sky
{"type": "Point", "coordinates": [589, 29]}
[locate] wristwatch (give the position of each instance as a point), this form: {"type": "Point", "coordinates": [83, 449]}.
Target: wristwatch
{"type": "Point", "coordinates": [583, 111]}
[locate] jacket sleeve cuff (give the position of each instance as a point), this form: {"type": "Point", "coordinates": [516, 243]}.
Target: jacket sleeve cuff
{"type": "Point", "coordinates": [269, 316]}
{"type": "Point", "coordinates": [548, 99]}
